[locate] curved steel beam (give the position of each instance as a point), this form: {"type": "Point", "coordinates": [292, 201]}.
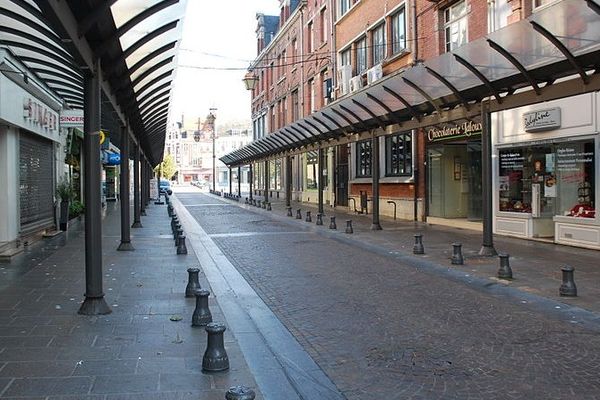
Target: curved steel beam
{"type": "Point", "coordinates": [381, 124]}
{"type": "Point", "coordinates": [127, 26]}
{"type": "Point", "coordinates": [562, 48]}
{"type": "Point", "coordinates": [416, 115]}
{"type": "Point", "coordinates": [150, 56]}
{"type": "Point", "coordinates": [381, 104]}
{"type": "Point", "coordinates": [154, 81]}
{"type": "Point", "coordinates": [504, 53]}
{"type": "Point", "coordinates": [149, 100]}
{"type": "Point", "coordinates": [423, 93]}
{"type": "Point", "coordinates": [449, 85]}
{"type": "Point", "coordinates": [155, 33]}
{"type": "Point", "coordinates": [479, 76]}
{"type": "Point", "coordinates": [314, 126]}
{"type": "Point", "coordinates": [57, 67]}
{"type": "Point", "coordinates": [150, 70]}
{"type": "Point", "coordinates": [321, 122]}
{"type": "Point", "coordinates": [360, 122]}
{"type": "Point", "coordinates": [149, 96]}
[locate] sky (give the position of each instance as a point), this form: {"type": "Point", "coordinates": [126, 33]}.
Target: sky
{"type": "Point", "coordinates": [216, 34]}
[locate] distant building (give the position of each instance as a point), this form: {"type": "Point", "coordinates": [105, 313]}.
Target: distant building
{"type": "Point", "coordinates": [192, 150]}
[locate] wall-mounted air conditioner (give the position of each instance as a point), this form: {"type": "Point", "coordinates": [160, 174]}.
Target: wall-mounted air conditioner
{"type": "Point", "coordinates": [356, 83]}
{"type": "Point", "coordinates": [374, 74]}
{"type": "Point", "coordinates": [343, 79]}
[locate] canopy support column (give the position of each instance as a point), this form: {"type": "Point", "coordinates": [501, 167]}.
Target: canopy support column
{"type": "Point", "coordinates": [94, 303]}
{"type": "Point", "coordinates": [375, 226]}
{"type": "Point", "coordinates": [288, 181]}
{"type": "Point", "coordinates": [267, 180]}
{"type": "Point", "coordinates": [487, 248]}
{"type": "Point", "coordinates": [321, 183]}
{"type": "Point", "coordinates": [137, 211]}
{"type": "Point", "coordinates": [124, 196]}
{"type": "Point", "coordinates": [250, 181]}
{"type": "Point", "coordinates": [239, 181]}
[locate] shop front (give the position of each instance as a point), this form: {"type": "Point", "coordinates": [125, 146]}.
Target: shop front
{"type": "Point", "coordinates": [545, 172]}
{"type": "Point", "coordinates": [454, 186]}
{"type": "Point", "coordinates": [31, 154]}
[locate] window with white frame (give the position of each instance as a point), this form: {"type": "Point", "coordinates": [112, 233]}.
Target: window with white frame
{"type": "Point", "coordinates": [313, 96]}
{"type": "Point", "coordinates": [398, 22]}
{"type": "Point", "coordinates": [345, 57]}
{"type": "Point", "coordinates": [323, 23]}
{"type": "Point", "coordinates": [378, 44]}
{"type": "Point", "coordinates": [455, 25]}
{"type": "Point", "coordinates": [363, 159]}
{"type": "Point", "coordinates": [310, 37]}
{"type": "Point", "coordinates": [361, 55]}
{"type": "Point", "coordinates": [398, 154]}
{"type": "Point", "coordinates": [543, 3]}
{"type": "Point", "coordinates": [344, 7]}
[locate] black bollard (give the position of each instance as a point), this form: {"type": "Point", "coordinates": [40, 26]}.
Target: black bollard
{"type": "Point", "coordinates": [289, 212]}
{"type": "Point", "coordinates": [319, 219]}
{"type": "Point", "coordinates": [457, 258]}
{"type": "Point", "coordinates": [349, 226]}
{"type": "Point", "coordinates": [308, 217]}
{"type": "Point", "coordinates": [568, 288]}
{"type": "Point", "coordinates": [332, 224]}
{"type": "Point", "coordinates": [175, 229]}
{"type": "Point", "coordinates": [418, 247]}
{"type": "Point", "coordinates": [193, 284]}
{"type": "Point", "coordinates": [240, 393]}
{"type": "Point", "coordinates": [202, 315]}
{"type": "Point", "coordinates": [246, 201]}
{"type": "Point", "coordinates": [215, 357]}
{"type": "Point", "coordinates": [298, 214]}
{"type": "Point", "coordinates": [504, 272]}
{"type": "Point", "coordinates": [269, 207]}
{"type": "Point", "coordinates": [178, 237]}
{"type": "Point", "coordinates": [181, 248]}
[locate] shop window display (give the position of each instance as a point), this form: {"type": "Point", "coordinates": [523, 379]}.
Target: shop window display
{"type": "Point", "coordinates": [547, 180]}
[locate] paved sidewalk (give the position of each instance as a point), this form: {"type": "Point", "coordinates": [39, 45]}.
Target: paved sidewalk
{"type": "Point", "coordinates": [48, 351]}
{"type": "Point", "coordinates": [535, 265]}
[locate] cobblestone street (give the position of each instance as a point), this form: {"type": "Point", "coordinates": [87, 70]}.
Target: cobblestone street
{"type": "Point", "coordinates": [383, 328]}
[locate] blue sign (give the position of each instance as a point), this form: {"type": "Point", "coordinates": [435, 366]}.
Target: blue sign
{"type": "Point", "coordinates": [113, 159]}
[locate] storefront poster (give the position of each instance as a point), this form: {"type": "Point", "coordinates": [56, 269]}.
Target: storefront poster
{"type": "Point", "coordinates": [549, 186]}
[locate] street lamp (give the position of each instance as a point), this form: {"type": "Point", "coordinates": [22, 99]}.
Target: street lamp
{"type": "Point", "coordinates": [250, 80]}
{"type": "Point", "coordinates": [210, 120]}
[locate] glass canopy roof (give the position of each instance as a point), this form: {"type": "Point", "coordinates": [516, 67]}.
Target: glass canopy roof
{"type": "Point", "coordinates": [556, 42]}
{"type": "Point", "coordinates": [135, 40]}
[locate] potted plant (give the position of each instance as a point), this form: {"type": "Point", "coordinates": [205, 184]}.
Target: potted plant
{"type": "Point", "coordinates": [64, 191]}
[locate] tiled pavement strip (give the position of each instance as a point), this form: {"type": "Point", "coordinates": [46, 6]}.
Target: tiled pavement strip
{"type": "Point", "coordinates": [49, 352]}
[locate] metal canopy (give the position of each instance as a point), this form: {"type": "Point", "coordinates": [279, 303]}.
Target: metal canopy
{"type": "Point", "coordinates": [135, 42]}
{"type": "Point", "coordinates": [560, 41]}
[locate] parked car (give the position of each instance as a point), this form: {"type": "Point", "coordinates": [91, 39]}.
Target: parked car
{"type": "Point", "coordinates": [165, 187]}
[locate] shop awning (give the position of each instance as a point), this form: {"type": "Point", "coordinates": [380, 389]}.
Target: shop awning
{"type": "Point", "coordinates": [135, 42]}
{"type": "Point", "coordinates": [526, 62]}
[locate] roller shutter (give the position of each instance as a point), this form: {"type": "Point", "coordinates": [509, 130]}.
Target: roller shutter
{"type": "Point", "coordinates": [36, 183]}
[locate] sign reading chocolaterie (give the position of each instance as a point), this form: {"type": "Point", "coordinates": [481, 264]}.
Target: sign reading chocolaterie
{"type": "Point", "coordinates": [457, 131]}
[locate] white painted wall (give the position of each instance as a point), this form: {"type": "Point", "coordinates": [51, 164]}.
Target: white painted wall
{"type": "Point", "coordinates": [9, 182]}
